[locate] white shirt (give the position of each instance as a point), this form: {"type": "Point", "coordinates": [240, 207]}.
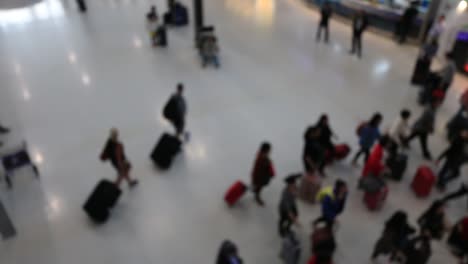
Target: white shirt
{"type": "Point", "coordinates": [399, 128]}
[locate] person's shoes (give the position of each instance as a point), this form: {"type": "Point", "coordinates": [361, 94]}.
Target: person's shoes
{"type": "Point", "coordinates": [428, 157]}
{"type": "Point", "coordinates": [259, 201]}
{"type": "Point", "coordinates": [133, 183]}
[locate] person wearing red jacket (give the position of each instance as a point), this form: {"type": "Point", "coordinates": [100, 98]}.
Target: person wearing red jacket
{"type": "Point", "coordinates": [263, 171]}
{"type": "Point", "coordinates": [375, 164]}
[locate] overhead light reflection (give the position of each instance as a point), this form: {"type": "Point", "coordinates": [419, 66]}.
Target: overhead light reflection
{"type": "Point", "coordinates": [38, 158]}
{"type": "Point", "coordinates": [381, 67]}
{"type": "Point", "coordinates": [72, 57]}
{"type": "Point", "coordinates": [26, 95]}
{"type": "Point", "coordinates": [85, 79]}
{"type": "Point", "coordinates": [137, 43]}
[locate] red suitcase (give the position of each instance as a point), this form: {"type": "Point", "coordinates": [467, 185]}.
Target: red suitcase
{"type": "Point", "coordinates": [342, 151]}
{"type": "Point", "coordinates": [423, 181]}
{"type": "Point", "coordinates": [235, 192]}
{"type": "Point", "coordinates": [374, 201]}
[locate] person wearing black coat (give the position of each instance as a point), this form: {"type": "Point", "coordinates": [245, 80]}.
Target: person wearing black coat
{"type": "Point", "coordinates": [419, 249]}
{"type": "Point", "coordinates": [394, 236]}
{"type": "Point", "coordinates": [455, 157]}
{"type": "Point", "coordinates": [360, 23]}
{"type": "Point", "coordinates": [406, 22]}
{"type": "Point", "coordinates": [433, 220]}
{"type": "Point", "coordinates": [228, 254]}
{"type": "Point", "coordinates": [314, 153]}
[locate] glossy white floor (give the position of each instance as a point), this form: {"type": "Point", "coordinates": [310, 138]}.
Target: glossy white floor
{"type": "Point", "coordinates": [67, 78]}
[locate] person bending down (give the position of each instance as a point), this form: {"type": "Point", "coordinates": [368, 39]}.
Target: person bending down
{"type": "Point", "coordinates": [114, 151]}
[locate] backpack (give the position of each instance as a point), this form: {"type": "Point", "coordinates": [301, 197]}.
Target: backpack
{"type": "Point", "coordinates": [324, 192]}
{"type": "Point", "coordinates": [360, 128]}
{"type": "Point", "coordinates": [170, 109]}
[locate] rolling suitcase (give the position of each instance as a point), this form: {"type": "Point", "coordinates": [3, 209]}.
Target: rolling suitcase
{"type": "Point", "coordinates": [342, 151]}
{"type": "Point", "coordinates": [375, 200]}
{"type": "Point", "coordinates": [166, 149]}
{"type": "Point", "coordinates": [421, 70]}
{"type": "Point", "coordinates": [423, 181]}
{"type": "Point", "coordinates": [235, 192]}
{"type": "Point", "coordinates": [397, 166]}
{"type": "Point", "coordinates": [309, 187]}
{"type": "Point", "coordinates": [102, 199]}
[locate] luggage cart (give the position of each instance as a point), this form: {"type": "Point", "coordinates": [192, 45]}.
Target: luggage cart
{"type": "Point", "coordinates": [14, 159]}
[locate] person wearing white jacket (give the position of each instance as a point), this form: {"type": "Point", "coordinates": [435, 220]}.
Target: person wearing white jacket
{"type": "Point", "coordinates": [400, 128]}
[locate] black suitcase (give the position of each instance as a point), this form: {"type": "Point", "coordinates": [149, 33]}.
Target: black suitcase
{"type": "Point", "coordinates": [166, 149]}
{"type": "Point", "coordinates": [421, 71]}
{"type": "Point", "coordinates": [102, 199]}
{"type": "Point", "coordinates": [397, 166]}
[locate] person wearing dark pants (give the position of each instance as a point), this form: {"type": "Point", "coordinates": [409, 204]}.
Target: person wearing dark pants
{"type": "Point", "coordinates": [326, 13]}
{"type": "Point", "coordinates": [368, 133]}
{"type": "Point", "coordinates": [314, 154]}
{"type": "Point", "coordinates": [454, 158]}
{"type": "Point", "coordinates": [423, 127]}
{"type": "Point", "coordinates": [406, 22]}
{"type": "Point", "coordinates": [262, 172]}
{"type": "Point", "coordinates": [360, 23]}
{"type": "Point", "coordinates": [287, 207]}
{"type": "Point", "coordinates": [457, 194]}
{"type": "Point", "coordinates": [176, 110]}
{"type": "Point", "coordinates": [82, 5]}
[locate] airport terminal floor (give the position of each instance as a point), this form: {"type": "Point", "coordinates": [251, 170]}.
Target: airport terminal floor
{"type": "Point", "coordinates": [67, 78]}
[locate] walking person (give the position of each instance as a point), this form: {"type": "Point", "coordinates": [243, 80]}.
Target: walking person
{"type": "Point", "coordinates": [114, 151]}
{"type": "Point", "coordinates": [313, 154]}
{"type": "Point", "coordinates": [406, 22]}
{"type": "Point", "coordinates": [433, 220]}
{"type": "Point", "coordinates": [423, 127]}
{"type": "Point", "coordinates": [176, 110]}
{"type": "Point", "coordinates": [262, 172]}
{"type": "Point", "coordinates": [288, 207]}
{"type": "Point", "coordinates": [333, 201]}
{"type": "Point", "coordinates": [400, 129]}
{"type": "Point", "coordinates": [447, 73]}
{"type": "Point", "coordinates": [326, 135]}
{"type": "Point", "coordinates": [82, 5]}
{"type": "Point", "coordinates": [326, 13]}
{"type": "Point", "coordinates": [436, 30]}
{"type": "Point", "coordinates": [455, 157]}
{"type": "Point", "coordinates": [368, 133]}
{"type": "Point", "coordinates": [360, 23]}
{"type": "Point", "coordinates": [394, 237]}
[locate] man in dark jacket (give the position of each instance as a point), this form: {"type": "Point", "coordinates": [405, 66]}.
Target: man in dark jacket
{"type": "Point", "coordinates": [423, 127]}
{"type": "Point", "coordinates": [176, 109]}
{"type": "Point", "coordinates": [314, 154]}
{"type": "Point", "coordinates": [406, 22]}
{"type": "Point", "coordinates": [326, 13]}
{"type": "Point", "coordinates": [454, 158]}
{"type": "Point", "coordinates": [360, 23]}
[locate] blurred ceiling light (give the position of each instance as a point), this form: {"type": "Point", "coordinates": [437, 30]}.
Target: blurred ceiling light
{"type": "Point", "coordinates": [462, 6]}
{"type": "Point", "coordinates": [85, 79]}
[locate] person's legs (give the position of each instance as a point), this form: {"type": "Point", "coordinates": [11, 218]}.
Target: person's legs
{"type": "Point", "coordinates": [257, 190]}
{"type": "Point", "coordinates": [423, 141]}
{"type": "Point", "coordinates": [327, 33]}
{"type": "Point", "coordinates": [359, 45]}
{"type": "Point", "coordinates": [353, 44]}
{"type": "Point", "coordinates": [452, 173]}
{"type": "Point", "coordinates": [457, 194]}
{"type": "Point", "coordinates": [319, 33]}
{"type": "Point", "coordinates": [284, 224]}
{"type": "Point", "coordinates": [358, 154]}
{"type": "Point", "coordinates": [179, 125]}
{"type": "Point", "coordinates": [125, 175]}
{"type": "Point", "coordinates": [366, 154]}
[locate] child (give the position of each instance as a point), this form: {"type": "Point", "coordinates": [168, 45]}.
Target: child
{"type": "Point", "coordinates": [368, 133]}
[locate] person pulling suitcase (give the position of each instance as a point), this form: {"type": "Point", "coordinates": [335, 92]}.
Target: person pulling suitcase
{"type": "Point", "coordinates": [114, 152]}
{"type": "Point", "coordinates": [176, 110]}
{"type": "Point", "coordinates": [262, 172]}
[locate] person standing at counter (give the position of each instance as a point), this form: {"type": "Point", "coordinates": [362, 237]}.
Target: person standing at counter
{"type": "Point", "coordinates": [406, 22]}
{"type": "Point", "coordinates": [326, 13]}
{"type": "Point", "coordinates": [360, 23]}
